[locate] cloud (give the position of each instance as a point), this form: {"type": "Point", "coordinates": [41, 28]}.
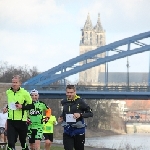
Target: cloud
{"type": "Point", "coordinates": [29, 12]}
{"type": "Point", "coordinates": [119, 15]}
{"type": "Point", "coordinates": [34, 50]}
{"type": "Point", "coordinates": [45, 33]}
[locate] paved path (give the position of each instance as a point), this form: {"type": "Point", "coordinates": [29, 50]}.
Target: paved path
{"type": "Point", "coordinates": [86, 147]}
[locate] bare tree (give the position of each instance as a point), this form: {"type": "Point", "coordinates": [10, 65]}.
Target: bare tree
{"type": "Point", "coordinates": [7, 71]}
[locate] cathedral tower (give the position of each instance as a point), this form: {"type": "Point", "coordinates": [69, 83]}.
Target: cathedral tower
{"type": "Point", "coordinates": [91, 39]}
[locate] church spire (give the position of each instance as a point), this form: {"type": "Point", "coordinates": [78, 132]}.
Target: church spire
{"type": "Point", "coordinates": [98, 27]}
{"type": "Point", "coordinates": [88, 24]}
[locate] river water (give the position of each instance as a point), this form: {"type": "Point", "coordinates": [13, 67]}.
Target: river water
{"type": "Point", "coordinates": [136, 141]}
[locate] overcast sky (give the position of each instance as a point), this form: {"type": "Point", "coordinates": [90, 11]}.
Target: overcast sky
{"type": "Point", "coordinates": [45, 33]}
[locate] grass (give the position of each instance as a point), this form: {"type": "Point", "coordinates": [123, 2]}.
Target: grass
{"type": "Point", "coordinates": [53, 147]}
{"type": "Point", "coordinates": [56, 148]}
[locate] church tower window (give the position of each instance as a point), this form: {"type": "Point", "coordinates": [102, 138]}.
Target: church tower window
{"type": "Point", "coordinates": [97, 39]}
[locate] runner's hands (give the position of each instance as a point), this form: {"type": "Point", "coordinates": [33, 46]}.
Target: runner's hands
{"type": "Point", "coordinates": [18, 106]}
{"type": "Point", "coordinates": [46, 119]}
{"type": "Point", "coordinates": [5, 110]}
{"type": "Point", "coordinates": [76, 115]}
{"type": "Point", "coordinates": [29, 121]}
{"type": "Point", "coordinates": [60, 119]}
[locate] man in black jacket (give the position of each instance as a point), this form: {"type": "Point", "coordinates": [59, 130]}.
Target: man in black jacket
{"type": "Point", "coordinates": [74, 111]}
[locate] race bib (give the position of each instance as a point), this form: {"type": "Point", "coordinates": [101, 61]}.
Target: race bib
{"type": "Point", "coordinates": [69, 118]}
{"type": "Point", "coordinates": [48, 128]}
{"type": "Point", "coordinates": [12, 106]}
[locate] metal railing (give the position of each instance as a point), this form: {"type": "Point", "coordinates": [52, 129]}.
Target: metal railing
{"type": "Point", "coordinates": [137, 120]}
{"type": "Point", "coordinates": [90, 88]}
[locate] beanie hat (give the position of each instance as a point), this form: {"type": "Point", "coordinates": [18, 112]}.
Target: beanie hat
{"type": "Point", "coordinates": [34, 92]}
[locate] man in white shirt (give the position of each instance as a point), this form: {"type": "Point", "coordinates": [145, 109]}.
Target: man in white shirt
{"type": "Point", "coordinates": [3, 119]}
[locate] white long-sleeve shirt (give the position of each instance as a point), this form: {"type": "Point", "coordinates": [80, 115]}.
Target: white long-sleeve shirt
{"type": "Point", "coordinates": [3, 118]}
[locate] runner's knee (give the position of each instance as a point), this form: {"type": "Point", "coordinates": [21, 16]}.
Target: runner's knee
{"type": "Point", "coordinates": [47, 142]}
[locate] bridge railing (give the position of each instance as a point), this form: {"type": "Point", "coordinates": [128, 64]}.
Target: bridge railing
{"type": "Point", "coordinates": [137, 120]}
{"type": "Point", "coordinates": [90, 88]}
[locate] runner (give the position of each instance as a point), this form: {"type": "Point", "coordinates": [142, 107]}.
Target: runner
{"type": "Point", "coordinates": [19, 102]}
{"type": "Point", "coordinates": [75, 109]}
{"type": "Point", "coordinates": [48, 130]}
{"type": "Point", "coordinates": [3, 119]}
{"type": "Point", "coordinates": [35, 121]}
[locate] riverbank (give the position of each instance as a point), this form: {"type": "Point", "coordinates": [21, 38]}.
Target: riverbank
{"type": "Point", "coordinates": [89, 133]}
{"type": "Point", "coordinates": [101, 133]}
{"type": "Point", "coordinates": [119, 142]}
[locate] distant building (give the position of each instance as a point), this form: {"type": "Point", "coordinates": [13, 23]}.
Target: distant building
{"type": "Point", "coordinates": [120, 78]}
{"type": "Point", "coordinates": [118, 107]}
{"type": "Point", "coordinates": [91, 39]}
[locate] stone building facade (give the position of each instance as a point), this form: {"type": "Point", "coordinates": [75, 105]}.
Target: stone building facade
{"type": "Point", "coordinates": [91, 39]}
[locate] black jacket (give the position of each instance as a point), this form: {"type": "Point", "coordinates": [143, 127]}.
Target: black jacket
{"type": "Point", "coordinates": [76, 106]}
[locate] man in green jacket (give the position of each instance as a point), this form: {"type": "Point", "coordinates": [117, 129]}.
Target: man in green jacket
{"type": "Point", "coordinates": [35, 120]}
{"type": "Point", "coordinates": [19, 101]}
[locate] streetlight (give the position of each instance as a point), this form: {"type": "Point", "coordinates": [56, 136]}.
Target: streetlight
{"type": "Point", "coordinates": [149, 71]}
{"type": "Point", "coordinates": [106, 71]}
{"type": "Point", "coordinates": [127, 72]}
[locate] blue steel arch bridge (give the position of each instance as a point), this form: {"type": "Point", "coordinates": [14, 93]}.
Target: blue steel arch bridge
{"type": "Point", "coordinates": [124, 48]}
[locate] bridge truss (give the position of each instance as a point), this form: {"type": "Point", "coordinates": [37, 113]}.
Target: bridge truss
{"type": "Point", "coordinates": [125, 47]}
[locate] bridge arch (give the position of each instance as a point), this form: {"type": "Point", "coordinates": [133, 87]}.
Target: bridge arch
{"type": "Point", "coordinates": [70, 67]}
